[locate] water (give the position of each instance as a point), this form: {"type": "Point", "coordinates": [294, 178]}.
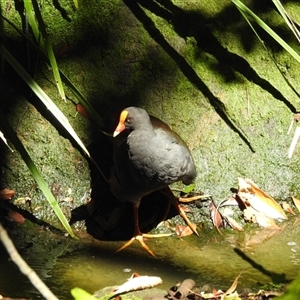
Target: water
{"type": "Point", "coordinates": [261, 255]}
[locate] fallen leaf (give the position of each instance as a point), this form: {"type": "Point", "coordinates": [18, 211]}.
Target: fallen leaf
{"type": "Point", "coordinates": [234, 224]}
{"type": "Point", "coordinates": [254, 216]}
{"type": "Point", "coordinates": [287, 208]}
{"type": "Point", "coordinates": [264, 221]}
{"type": "Point", "coordinates": [233, 286]}
{"type": "Point", "coordinates": [215, 216]}
{"type": "Point", "coordinates": [6, 194]}
{"type": "Point", "coordinates": [249, 192]}
{"type": "Point", "coordinates": [82, 111]}
{"type": "Point", "coordinates": [183, 231]}
{"type": "Point", "coordinates": [229, 202]}
{"type": "Point", "coordinates": [15, 217]}
{"type": "Point", "coordinates": [296, 202]}
{"type": "Point", "coordinates": [135, 283]}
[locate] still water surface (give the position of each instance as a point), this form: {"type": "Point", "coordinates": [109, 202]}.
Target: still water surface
{"type": "Point", "coordinates": [263, 256]}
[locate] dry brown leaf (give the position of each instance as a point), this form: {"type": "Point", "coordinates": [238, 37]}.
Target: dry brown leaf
{"type": "Point", "coordinates": [183, 231]}
{"type": "Point", "coordinates": [215, 216]}
{"type": "Point", "coordinates": [231, 201]}
{"type": "Point", "coordinates": [287, 208]}
{"type": "Point", "coordinates": [259, 200]}
{"type": "Point", "coordinates": [233, 286]}
{"type": "Point", "coordinates": [296, 202]}
{"type": "Point", "coordinates": [16, 217]}
{"type": "Point", "coordinates": [234, 224]}
{"type": "Point", "coordinates": [6, 194]}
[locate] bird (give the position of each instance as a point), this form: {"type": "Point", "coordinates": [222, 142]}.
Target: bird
{"type": "Point", "coordinates": [148, 156]}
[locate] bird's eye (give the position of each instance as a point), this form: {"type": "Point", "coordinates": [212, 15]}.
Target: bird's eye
{"type": "Point", "coordinates": [129, 119]}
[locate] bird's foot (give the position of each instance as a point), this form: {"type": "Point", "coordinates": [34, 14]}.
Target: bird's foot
{"type": "Point", "coordinates": [185, 218]}
{"type": "Point", "coordinates": [140, 238]}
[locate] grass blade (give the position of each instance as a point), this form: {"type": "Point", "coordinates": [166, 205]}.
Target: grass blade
{"type": "Point", "coordinates": [288, 20]}
{"type": "Point", "coordinates": [48, 49]}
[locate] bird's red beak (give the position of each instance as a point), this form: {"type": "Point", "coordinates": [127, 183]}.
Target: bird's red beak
{"type": "Point", "coordinates": [121, 125]}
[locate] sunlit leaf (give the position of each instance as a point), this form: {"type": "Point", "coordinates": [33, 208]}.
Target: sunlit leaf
{"type": "Point", "coordinates": [75, 3]}
{"type": "Point", "coordinates": [288, 20]}
{"type": "Point", "coordinates": [233, 223]}
{"type": "Point", "coordinates": [250, 193]}
{"type": "Point", "coordinates": [5, 141]}
{"type": "Point", "coordinates": [135, 283]}
{"type": "Point", "coordinates": [183, 231]}
{"type": "Point", "coordinates": [296, 202]}
{"type": "Point", "coordinates": [287, 208]}
{"type": "Point", "coordinates": [80, 294]}
{"type": "Point", "coordinates": [187, 189]}
{"type": "Point", "coordinates": [233, 286]}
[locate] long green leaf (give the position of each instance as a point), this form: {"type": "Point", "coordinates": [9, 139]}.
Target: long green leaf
{"type": "Point", "coordinates": [288, 20]}
{"type": "Point", "coordinates": [246, 11]}
{"type": "Point", "coordinates": [82, 100]}
{"type": "Point", "coordinates": [33, 24]}
{"type": "Point", "coordinates": [43, 97]}
{"type": "Point", "coordinates": [35, 172]}
{"type": "Point", "coordinates": [47, 45]}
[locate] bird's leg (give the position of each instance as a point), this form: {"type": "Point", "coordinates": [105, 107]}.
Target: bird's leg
{"type": "Point", "coordinates": [175, 202]}
{"type": "Point", "coordinates": [137, 235]}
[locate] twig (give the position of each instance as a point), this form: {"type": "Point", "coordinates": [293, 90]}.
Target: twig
{"type": "Point", "coordinates": [23, 266]}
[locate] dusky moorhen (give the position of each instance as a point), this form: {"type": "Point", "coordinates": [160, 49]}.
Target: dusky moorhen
{"type": "Point", "coordinates": [148, 156]}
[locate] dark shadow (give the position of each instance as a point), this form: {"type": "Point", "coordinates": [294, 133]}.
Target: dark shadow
{"type": "Point", "coordinates": [5, 206]}
{"type": "Point", "coordinates": [62, 11]}
{"type": "Point", "coordinates": [275, 277]}
{"type": "Point", "coordinates": [193, 24]}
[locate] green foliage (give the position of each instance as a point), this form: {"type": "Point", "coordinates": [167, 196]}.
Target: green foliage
{"type": "Point", "coordinates": [292, 292]}
{"type": "Point", "coordinates": [44, 49]}
{"type": "Point", "coordinates": [80, 294]}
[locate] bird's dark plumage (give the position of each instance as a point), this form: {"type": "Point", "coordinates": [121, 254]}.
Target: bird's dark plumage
{"type": "Point", "coordinates": [148, 156]}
